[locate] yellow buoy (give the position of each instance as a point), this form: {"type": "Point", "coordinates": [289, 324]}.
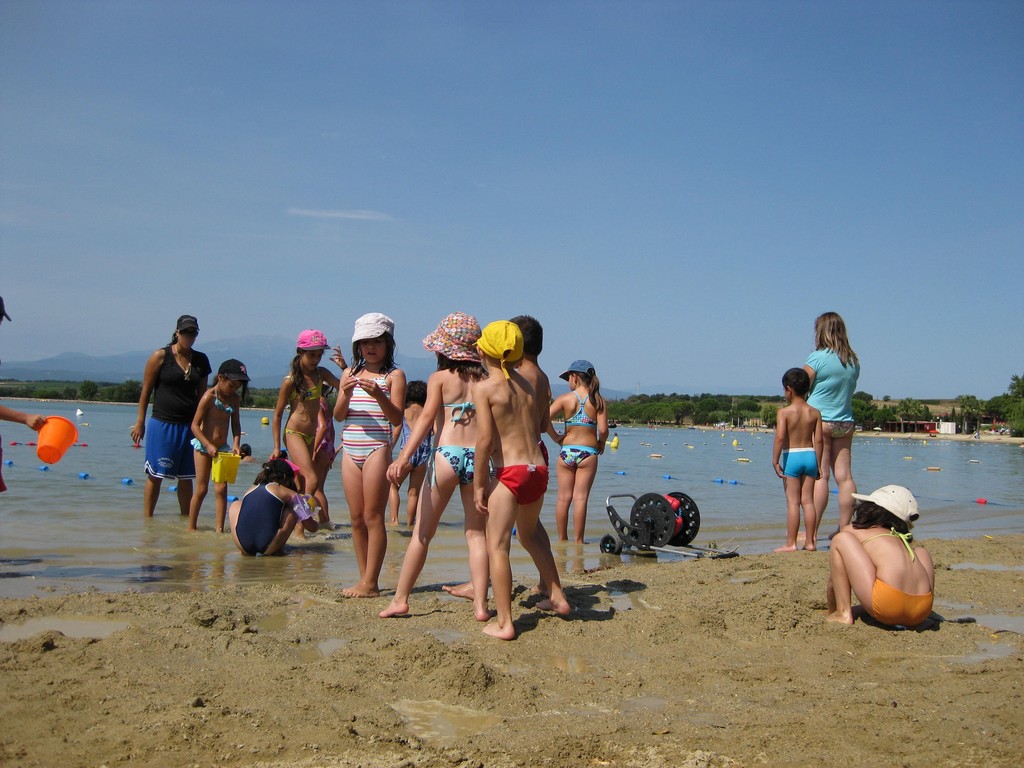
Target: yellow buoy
{"type": "Point", "coordinates": [934, 469]}
{"type": "Point", "coordinates": [656, 456]}
{"type": "Point", "coordinates": [743, 460]}
{"type": "Point", "coordinates": [264, 421]}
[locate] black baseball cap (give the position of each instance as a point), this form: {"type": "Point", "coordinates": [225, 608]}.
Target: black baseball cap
{"type": "Point", "coordinates": [187, 321]}
{"type": "Point", "coordinates": [234, 370]}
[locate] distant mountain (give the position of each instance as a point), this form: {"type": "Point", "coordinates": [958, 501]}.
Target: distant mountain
{"type": "Point", "coordinates": [266, 357]}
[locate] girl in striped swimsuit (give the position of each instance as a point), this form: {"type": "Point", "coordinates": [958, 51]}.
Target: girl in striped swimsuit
{"type": "Point", "coordinates": [371, 402]}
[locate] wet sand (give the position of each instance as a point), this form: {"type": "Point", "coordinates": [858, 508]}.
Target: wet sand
{"type": "Point", "coordinates": [705, 663]}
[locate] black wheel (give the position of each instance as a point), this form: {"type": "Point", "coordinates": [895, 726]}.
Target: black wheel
{"type": "Point", "coordinates": [691, 520]}
{"type": "Point", "coordinates": [611, 545]}
{"type": "Point", "coordinates": [653, 519]}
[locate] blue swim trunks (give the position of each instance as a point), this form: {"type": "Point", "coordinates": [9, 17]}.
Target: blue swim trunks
{"type": "Point", "coordinates": [169, 450]}
{"type": "Point", "coordinates": [799, 462]}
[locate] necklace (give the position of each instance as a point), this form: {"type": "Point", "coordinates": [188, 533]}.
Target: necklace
{"type": "Point", "coordinates": [185, 363]}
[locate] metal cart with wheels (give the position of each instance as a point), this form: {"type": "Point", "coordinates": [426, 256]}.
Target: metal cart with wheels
{"type": "Point", "coordinates": [658, 523]}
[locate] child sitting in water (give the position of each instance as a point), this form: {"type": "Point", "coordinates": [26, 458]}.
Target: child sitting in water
{"type": "Point", "coordinates": [263, 519]}
{"type": "Point", "coordinates": [796, 457]}
{"type": "Point", "coordinates": [893, 581]}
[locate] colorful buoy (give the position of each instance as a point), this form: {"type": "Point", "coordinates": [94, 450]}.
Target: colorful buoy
{"type": "Point", "coordinates": [981, 501]}
{"type": "Point", "coordinates": [83, 475]}
{"type": "Point", "coordinates": [126, 481]}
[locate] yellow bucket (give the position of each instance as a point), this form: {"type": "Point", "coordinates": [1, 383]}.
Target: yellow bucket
{"type": "Point", "coordinates": [225, 468]}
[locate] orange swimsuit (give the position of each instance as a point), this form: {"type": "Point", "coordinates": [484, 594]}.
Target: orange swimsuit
{"type": "Point", "coordinates": [893, 606]}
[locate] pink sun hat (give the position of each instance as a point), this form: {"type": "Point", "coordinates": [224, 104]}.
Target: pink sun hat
{"type": "Point", "coordinates": [311, 339]}
{"type": "Point", "coordinates": [456, 337]}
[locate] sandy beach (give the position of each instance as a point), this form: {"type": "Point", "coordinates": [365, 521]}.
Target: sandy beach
{"type": "Point", "coordinates": [706, 663]}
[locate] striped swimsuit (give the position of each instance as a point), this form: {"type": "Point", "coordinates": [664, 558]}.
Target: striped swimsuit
{"type": "Point", "coordinates": [366, 427]}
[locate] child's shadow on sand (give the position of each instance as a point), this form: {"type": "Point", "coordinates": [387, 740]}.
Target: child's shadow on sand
{"type": "Point", "coordinates": [931, 624]}
{"type": "Point", "coordinates": [586, 601]}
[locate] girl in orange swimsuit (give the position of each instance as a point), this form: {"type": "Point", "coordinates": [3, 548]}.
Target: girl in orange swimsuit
{"type": "Point", "coordinates": [300, 392]}
{"type": "Point", "coordinates": [873, 558]}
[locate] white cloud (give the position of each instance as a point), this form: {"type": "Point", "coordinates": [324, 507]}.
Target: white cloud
{"type": "Point", "coordinates": [357, 215]}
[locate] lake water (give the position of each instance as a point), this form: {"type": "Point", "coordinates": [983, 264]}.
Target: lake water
{"type": "Point", "coordinates": [61, 532]}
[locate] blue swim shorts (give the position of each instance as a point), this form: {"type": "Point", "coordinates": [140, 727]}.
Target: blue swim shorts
{"type": "Point", "coordinates": [169, 450]}
{"type": "Point", "coordinates": [799, 462]}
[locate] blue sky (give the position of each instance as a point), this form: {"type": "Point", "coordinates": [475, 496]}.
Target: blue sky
{"type": "Point", "coordinates": [675, 189]}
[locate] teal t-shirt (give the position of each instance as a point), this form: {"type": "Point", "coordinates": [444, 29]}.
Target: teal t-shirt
{"type": "Point", "coordinates": [834, 385]}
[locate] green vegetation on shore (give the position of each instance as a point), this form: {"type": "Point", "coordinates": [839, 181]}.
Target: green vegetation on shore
{"type": "Point", "coordinates": [966, 410]}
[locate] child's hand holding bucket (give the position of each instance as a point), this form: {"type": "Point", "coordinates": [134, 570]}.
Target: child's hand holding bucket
{"type": "Point", "coordinates": [55, 437]}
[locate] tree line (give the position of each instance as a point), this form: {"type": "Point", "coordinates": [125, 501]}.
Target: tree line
{"type": "Point", "coordinates": [706, 409]}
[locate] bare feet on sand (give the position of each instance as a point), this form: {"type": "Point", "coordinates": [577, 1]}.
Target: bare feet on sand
{"type": "Point", "coordinates": [840, 618]}
{"type": "Point", "coordinates": [362, 590]}
{"type": "Point", "coordinates": [395, 608]}
{"type": "Point", "coordinates": [502, 633]}
{"type": "Point", "coordinates": [464, 590]}
{"type": "Point", "coordinates": [787, 548]}
{"type": "Point", "coordinates": [561, 607]}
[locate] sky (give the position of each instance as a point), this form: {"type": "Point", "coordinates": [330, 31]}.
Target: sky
{"type": "Point", "coordinates": [674, 189]}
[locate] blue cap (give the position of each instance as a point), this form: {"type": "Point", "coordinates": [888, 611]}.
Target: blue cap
{"type": "Point", "coordinates": [578, 366]}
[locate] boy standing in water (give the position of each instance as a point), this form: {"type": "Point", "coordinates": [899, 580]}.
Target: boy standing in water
{"type": "Point", "coordinates": [509, 415]}
{"type": "Point", "coordinates": [796, 457]}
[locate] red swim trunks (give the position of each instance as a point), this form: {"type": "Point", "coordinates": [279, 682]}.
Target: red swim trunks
{"type": "Point", "coordinates": [527, 482]}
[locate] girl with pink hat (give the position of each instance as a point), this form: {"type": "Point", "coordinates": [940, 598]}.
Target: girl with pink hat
{"type": "Point", "coordinates": [300, 392]}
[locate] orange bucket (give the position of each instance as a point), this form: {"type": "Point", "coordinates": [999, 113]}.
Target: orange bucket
{"type": "Point", "coordinates": [225, 468]}
{"type": "Point", "coordinates": [57, 435]}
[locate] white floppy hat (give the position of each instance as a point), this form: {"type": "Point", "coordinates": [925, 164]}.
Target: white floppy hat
{"type": "Point", "coordinates": [373, 325]}
{"type": "Point", "coordinates": [895, 499]}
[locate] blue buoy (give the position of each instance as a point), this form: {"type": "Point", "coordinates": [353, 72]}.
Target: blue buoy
{"type": "Point", "coordinates": [667, 477]}
{"type": "Point", "coordinates": [835, 491]}
{"type": "Point", "coordinates": [173, 488]}
{"type": "Point", "coordinates": [734, 482]}
{"type": "Point", "coordinates": [126, 481]}
{"type": "Point", "coordinates": [44, 468]}
{"type": "Point", "coordinates": [620, 472]}
{"type": "Point", "coordinates": [8, 463]}
{"type": "Point", "coordinates": [232, 498]}
{"type": "Point", "coordinates": [718, 480]}
{"type": "Point", "coordinates": [83, 475]}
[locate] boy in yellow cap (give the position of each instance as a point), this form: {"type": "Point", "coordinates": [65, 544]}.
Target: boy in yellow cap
{"type": "Point", "coordinates": [509, 415]}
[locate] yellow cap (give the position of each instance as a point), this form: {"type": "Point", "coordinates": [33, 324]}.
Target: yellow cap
{"type": "Point", "coordinates": [502, 340]}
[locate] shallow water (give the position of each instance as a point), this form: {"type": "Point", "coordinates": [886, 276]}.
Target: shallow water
{"type": "Point", "coordinates": [62, 532]}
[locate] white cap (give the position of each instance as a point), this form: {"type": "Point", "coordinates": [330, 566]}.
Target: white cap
{"type": "Point", "coordinates": [895, 499]}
